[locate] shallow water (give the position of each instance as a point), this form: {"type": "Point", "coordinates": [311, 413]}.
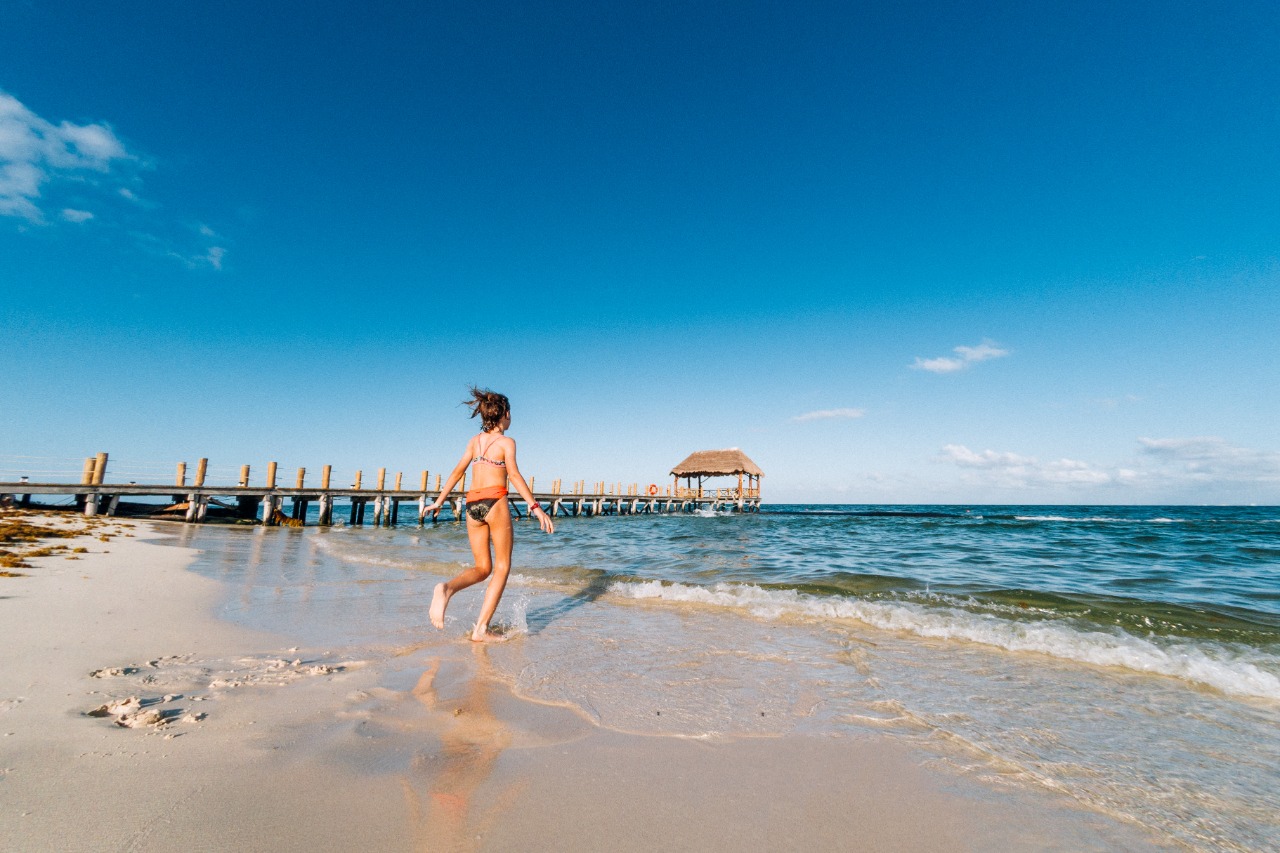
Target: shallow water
{"type": "Point", "coordinates": [1129, 656]}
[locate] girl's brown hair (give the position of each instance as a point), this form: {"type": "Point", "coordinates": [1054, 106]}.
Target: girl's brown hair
{"type": "Point", "coordinates": [491, 406]}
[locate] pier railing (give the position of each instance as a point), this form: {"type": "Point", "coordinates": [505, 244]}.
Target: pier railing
{"type": "Point", "coordinates": [193, 492]}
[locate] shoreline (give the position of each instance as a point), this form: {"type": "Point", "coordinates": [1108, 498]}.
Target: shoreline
{"type": "Point", "coordinates": [409, 748]}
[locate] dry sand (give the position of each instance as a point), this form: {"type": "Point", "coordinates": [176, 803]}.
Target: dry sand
{"type": "Point", "coordinates": [213, 737]}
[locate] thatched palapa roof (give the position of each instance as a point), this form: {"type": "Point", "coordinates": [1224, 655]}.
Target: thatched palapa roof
{"type": "Point", "coordinates": [717, 463]}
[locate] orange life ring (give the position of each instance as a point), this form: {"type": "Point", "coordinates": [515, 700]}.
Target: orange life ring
{"type": "Point", "coordinates": [653, 489]}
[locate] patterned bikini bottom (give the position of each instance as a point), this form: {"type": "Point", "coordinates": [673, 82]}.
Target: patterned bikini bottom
{"type": "Point", "coordinates": [480, 501]}
{"type": "Point", "coordinates": [479, 510]}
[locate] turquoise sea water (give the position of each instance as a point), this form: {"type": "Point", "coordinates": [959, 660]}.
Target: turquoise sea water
{"type": "Point", "coordinates": [1127, 656]}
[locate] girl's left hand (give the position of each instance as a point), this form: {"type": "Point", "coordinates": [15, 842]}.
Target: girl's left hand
{"type": "Point", "coordinates": [548, 526]}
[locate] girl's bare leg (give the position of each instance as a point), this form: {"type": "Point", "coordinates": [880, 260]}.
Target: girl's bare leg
{"type": "Point", "coordinates": [478, 535]}
{"type": "Point", "coordinates": [499, 523]}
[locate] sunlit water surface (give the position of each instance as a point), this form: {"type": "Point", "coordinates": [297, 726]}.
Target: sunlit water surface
{"type": "Point", "coordinates": [1129, 656]}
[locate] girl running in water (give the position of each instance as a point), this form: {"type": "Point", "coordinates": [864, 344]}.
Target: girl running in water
{"type": "Point", "coordinates": [492, 456]}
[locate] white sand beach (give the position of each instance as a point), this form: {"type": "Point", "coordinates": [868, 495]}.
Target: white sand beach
{"type": "Point", "coordinates": [212, 736]}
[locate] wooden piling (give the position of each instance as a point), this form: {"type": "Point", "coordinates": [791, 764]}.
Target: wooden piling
{"type": "Point", "coordinates": [201, 468]}
{"type": "Point", "coordinates": [399, 475]}
{"type": "Point", "coordinates": [426, 478]}
{"type": "Point", "coordinates": [271, 475]}
{"type": "Point", "coordinates": [244, 476]}
{"type": "Point", "coordinates": [86, 475]}
{"type": "Point", "coordinates": [325, 475]}
{"type": "Point", "coordinates": [302, 476]}
{"type": "Point", "coordinates": [99, 469]}
{"type": "Point", "coordinates": [382, 478]}
{"type": "Point", "coordinates": [180, 478]}
{"type": "Point", "coordinates": [356, 485]}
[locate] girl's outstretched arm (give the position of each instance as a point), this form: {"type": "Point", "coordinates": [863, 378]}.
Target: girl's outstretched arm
{"type": "Point", "coordinates": [454, 477]}
{"type": "Point", "coordinates": [517, 480]}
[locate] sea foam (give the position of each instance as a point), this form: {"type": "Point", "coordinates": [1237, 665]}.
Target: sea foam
{"type": "Point", "coordinates": [1234, 670]}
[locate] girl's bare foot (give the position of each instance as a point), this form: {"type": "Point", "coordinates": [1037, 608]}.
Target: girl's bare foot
{"type": "Point", "coordinates": [488, 637]}
{"type": "Point", "coordinates": [439, 601]}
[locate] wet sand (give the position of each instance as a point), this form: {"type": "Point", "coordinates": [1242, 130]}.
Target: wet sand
{"type": "Point", "coordinates": [240, 740]}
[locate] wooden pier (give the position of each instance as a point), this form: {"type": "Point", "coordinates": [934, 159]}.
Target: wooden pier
{"type": "Point", "coordinates": [378, 503]}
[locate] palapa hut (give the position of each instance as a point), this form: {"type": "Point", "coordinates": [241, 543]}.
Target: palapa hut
{"type": "Point", "coordinates": [719, 463]}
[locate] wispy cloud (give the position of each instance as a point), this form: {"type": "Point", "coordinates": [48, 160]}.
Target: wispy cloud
{"type": "Point", "coordinates": [965, 357]}
{"type": "Point", "coordinates": [214, 257]}
{"type": "Point", "coordinates": [1015, 470]}
{"type": "Point", "coordinates": [1162, 466]}
{"type": "Point", "coordinates": [35, 152]}
{"type": "Point", "coordinates": [88, 166]}
{"type": "Point", "coordinates": [830, 414]}
{"type": "Point", "coordinates": [1210, 459]}
{"type": "Point", "coordinates": [1116, 402]}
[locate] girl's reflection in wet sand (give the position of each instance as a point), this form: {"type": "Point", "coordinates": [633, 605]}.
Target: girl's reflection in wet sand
{"type": "Point", "coordinates": [446, 816]}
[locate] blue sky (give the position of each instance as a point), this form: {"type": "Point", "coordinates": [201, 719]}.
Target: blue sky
{"type": "Point", "coordinates": [998, 252]}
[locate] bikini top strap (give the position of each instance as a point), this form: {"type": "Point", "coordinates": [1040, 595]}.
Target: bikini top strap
{"type": "Point", "coordinates": [485, 451]}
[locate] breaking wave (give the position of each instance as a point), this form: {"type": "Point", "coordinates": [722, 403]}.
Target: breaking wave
{"type": "Point", "coordinates": [1232, 669]}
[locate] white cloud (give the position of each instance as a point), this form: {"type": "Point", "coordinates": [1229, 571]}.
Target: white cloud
{"type": "Point", "coordinates": [1017, 471]}
{"type": "Point", "coordinates": [965, 457]}
{"type": "Point", "coordinates": [211, 257]}
{"type": "Point", "coordinates": [965, 356]}
{"type": "Point", "coordinates": [1210, 459]}
{"type": "Point", "coordinates": [34, 152]}
{"type": "Point", "coordinates": [1116, 402]}
{"type": "Point", "coordinates": [39, 159]}
{"type": "Point", "coordinates": [1181, 468]}
{"type": "Point", "coordinates": [830, 414]}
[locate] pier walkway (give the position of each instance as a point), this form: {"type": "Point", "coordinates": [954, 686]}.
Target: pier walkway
{"type": "Point", "coordinates": [381, 504]}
